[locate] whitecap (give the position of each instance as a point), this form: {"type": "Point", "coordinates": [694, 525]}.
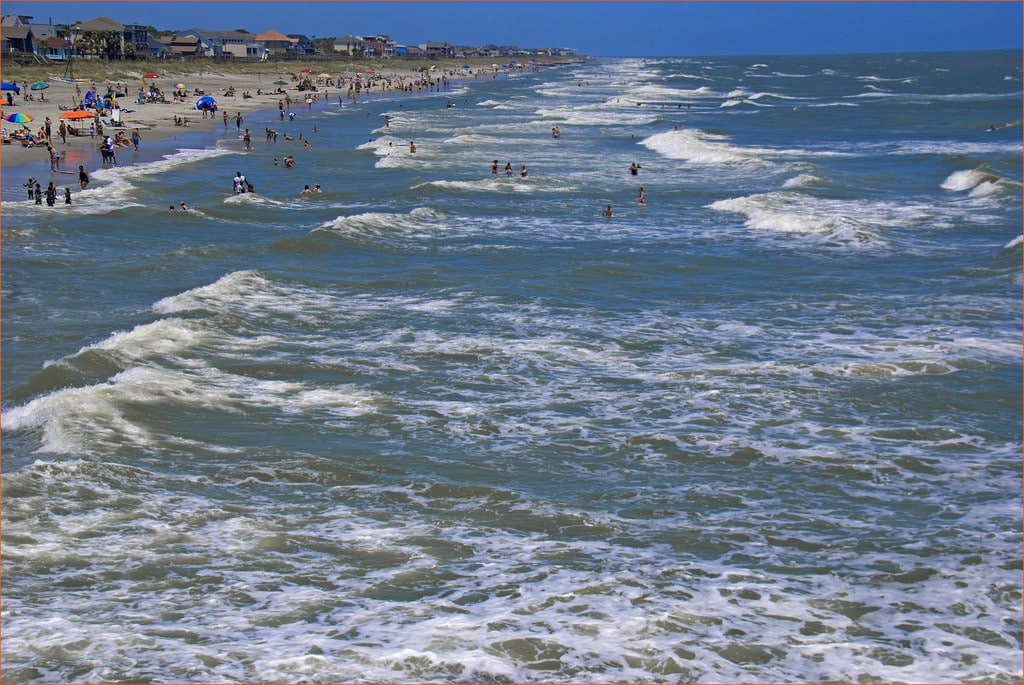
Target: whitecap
{"type": "Point", "coordinates": [967, 179]}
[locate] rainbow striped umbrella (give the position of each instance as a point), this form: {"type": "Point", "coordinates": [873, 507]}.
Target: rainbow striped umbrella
{"type": "Point", "coordinates": [179, 85]}
{"type": "Point", "coordinates": [18, 118]}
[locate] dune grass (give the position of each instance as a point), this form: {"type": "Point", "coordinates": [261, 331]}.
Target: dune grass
{"type": "Point", "coordinates": [96, 70]}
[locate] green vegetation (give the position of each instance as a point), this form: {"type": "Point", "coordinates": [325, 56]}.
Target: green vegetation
{"type": "Point", "coordinates": [101, 70]}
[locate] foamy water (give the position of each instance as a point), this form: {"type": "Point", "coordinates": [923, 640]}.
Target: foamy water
{"type": "Point", "coordinates": [434, 424]}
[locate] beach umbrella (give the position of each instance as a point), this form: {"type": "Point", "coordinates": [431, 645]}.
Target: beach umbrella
{"type": "Point", "coordinates": [39, 85]}
{"type": "Point", "coordinates": [5, 85]}
{"type": "Point", "coordinates": [77, 114]}
{"type": "Point", "coordinates": [206, 100]}
{"type": "Point", "coordinates": [280, 83]}
{"type": "Point", "coordinates": [324, 75]}
{"type": "Point", "coordinates": [18, 118]}
{"type": "Point", "coordinates": [179, 85]}
{"type": "Point", "coordinates": [151, 75]}
{"type": "Point", "coordinates": [307, 70]}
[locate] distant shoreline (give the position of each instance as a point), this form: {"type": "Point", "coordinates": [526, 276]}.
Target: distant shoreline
{"type": "Point", "coordinates": [156, 121]}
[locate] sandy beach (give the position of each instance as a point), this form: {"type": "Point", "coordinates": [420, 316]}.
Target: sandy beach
{"type": "Point", "coordinates": [236, 93]}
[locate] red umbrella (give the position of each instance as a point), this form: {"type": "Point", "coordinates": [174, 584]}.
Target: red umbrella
{"type": "Point", "coordinates": [151, 75]}
{"type": "Point", "coordinates": [307, 70]}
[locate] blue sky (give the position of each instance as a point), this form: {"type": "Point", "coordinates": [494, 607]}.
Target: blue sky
{"type": "Point", "coordinates": [632, 28]}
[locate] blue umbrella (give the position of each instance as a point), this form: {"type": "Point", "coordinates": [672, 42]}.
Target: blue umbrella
{"type": "Point", "coordinates": [5, 85]}
{"type": "Point", "coordinates": [210, 103]}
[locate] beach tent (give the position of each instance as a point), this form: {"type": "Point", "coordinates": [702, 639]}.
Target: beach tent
{"type": "Point", "coordinates": [5, 85]}
{"type": "Point", "coordinates": [90, 98]}
{"type": "Point", "coordinates": [208, 101]}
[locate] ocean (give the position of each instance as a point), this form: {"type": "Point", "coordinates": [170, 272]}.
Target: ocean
{"type": "Point", "coordinates": [436, 424]}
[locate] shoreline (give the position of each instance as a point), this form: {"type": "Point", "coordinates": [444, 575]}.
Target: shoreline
{"type": "Point", "coordinates": [155, 121]}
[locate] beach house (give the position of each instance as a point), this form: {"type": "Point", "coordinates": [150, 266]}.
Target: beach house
{"type": "Point", "coordinates": [276, 43]}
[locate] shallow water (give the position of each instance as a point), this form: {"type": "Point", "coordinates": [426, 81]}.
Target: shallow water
{"type": "Point", "coordinates": [433, 424]}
